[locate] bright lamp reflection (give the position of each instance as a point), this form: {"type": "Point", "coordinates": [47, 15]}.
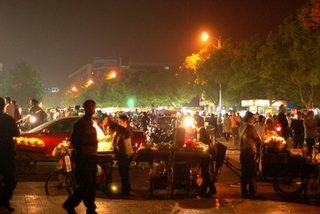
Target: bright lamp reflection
{"type": "Point", "coordinates": [189, 121]}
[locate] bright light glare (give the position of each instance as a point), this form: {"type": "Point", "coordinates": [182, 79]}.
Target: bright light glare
{"type": "Point", "coordinates": [112, 75]}
{"type": "Point", "coordinates": [204, 36]}
{"type": "Point", "coordinates": [74, 88]}
{"type": "Point", "coordinates": [33, 119]}
{"type": "Point", "coordinates": [189, 121]}
{"type": "Point", "coordinates": [114, 188]}
{"type": "Point", "coordinates": [90, 82]}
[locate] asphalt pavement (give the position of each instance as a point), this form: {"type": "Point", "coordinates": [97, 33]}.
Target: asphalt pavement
{"type": "Point", "coordinates": [30, 197]}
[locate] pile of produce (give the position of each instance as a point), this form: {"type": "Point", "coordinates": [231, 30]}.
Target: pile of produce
{"type": "Point", "coordinates": [276, 139]}
{"type": "Point", "coordinates": [33, 142]}
{"type": "Point", "coordinates": [105, 146]}
{"type": "Point", "coordinates": [275, 144]}
{"type": "Point", "coordinates": [187, 146]}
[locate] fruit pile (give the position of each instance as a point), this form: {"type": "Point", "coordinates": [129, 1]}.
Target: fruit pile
{"type": "Point", "coordinates": [33, 142]}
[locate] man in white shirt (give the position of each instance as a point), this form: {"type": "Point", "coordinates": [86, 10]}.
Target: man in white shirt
{"type": "Point", "coordinates": [9, 107]}
{"type": "Point", "coordinates": [260, 126]}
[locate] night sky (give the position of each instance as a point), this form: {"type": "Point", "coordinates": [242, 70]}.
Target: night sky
{"type": "Point", "coordinates": [60, 36]}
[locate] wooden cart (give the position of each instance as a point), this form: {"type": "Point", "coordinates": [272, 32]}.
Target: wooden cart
{"type": "Point", "coordinates": [288, 172]}
{"type": "Point", "coordinates": [177, 163]}
{"type": "Point", "coordinates": [27, 157]}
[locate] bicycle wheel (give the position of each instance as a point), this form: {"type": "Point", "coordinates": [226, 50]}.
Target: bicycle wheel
{"type": "Point", "coordinates": [312, 190]}
{"type": "Point", "coordinates": [60, 183]}
{"type": "Point", "coordinates": [24, 164]}
{"type": "Point", "coordinates": [288, 184]}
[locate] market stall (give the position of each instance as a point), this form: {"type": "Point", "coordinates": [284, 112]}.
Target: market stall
{"type": "Point", "coordinates": [28, 152]}
{"type": "Point", "coordinates": [289, 169]}
{"type": "Point", "coordinates": [170, 166]}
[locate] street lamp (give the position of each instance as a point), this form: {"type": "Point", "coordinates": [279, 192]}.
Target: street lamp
{"type": "Point", "coordinates": [205, 37]}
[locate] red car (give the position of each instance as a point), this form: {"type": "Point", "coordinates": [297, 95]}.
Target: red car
{"type": "Point", "coordinates": [54, 132]}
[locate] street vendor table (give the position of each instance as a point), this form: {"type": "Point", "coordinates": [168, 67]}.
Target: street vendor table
{"type": "Point", "coordinates": [177, 166]}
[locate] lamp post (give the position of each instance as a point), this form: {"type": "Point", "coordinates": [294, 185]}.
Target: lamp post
{"type": "Point", "coordinates": [205, 37]}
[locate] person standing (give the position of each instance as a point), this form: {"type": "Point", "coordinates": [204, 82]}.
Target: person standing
{"type": "Point", "coordinates": [123, 148]}
{"type": "Point", "coordinates": [145, 121]}
{"type": "Point", "coordinates": [226, 129]}
{"type": "Point", "coordinates": [124, 121]}
{"type": "Point", "coordinates": [8, 130]}
{"type": "Point", "coordinates": [249, 142]}
{"type": "Point", "coordinates": [235, 123]}
{"type": "Point", "coordinates": [207, 187]}
{"type": "Point", "coordinates": [284, 122]}
{"type": "Point", "coordinates": [219, 125]}
{"type": "Point", "coordinates": [9, 108]}
{"type": "Point", "coordinates": [310, 126]}
{"type": "Point", "coordinates": [17, 115]}
{"type": "Point", "coordinates": [36, 112]}
{"type": "Point", "coordinates": [261, 126]}
{"type": "Point", "coordinates": [298, 131]}
{"type": "Point", "coordinates": [85, 143]}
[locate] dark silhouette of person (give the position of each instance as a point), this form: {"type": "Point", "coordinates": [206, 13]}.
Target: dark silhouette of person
{"type": "Point", "coordinates": [298, 131]}
{"type": "Point", "coordinates": [85, 143]}
{"type": "Point", "coordinates": [145, 121]}
{"type": "Point", "coordinates": [36, 112]}
{"type": "Point", "coordinates": [207, 188]}
{"type": "Point", "coordinates": [8, 130]}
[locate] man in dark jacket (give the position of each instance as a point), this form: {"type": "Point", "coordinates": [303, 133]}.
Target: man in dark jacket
{"type": "Point", "coordinates": [8, 130]}
{"type": "Point", "coordinates": [85, 143]}
{"type": "Point", "coordinates": [207, 188]}
{"type": "Point", "coordinates": [283, 121]}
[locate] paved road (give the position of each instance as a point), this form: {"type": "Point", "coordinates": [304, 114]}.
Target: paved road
{"type": "Point", "coordinates": [30, 197]}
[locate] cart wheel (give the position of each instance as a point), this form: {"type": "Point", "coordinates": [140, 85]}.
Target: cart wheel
{"type": "Point", "coordinates": [288, 184]}
{"type": "Point", "coordinates": [60, 183]}
{"type": "Point", "coordinates": [24, 164]}
{"type": "Point", "coordinates": [170, 182]}
{"type": "Point", "coordinates": [312, 190]}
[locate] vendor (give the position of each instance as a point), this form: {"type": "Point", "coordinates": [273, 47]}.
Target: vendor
{"type": "Point", "coordinates": [249, 138]}
{"type": "Point", "coordinates": [207, 187]}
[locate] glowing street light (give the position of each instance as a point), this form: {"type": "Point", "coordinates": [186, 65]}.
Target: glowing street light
{"type": "Point", "coordinates": [90, 82]}
{"type": "Point", "coordinates": [205, 37]}
{"type": "Point", "coordinates": [112, 75]}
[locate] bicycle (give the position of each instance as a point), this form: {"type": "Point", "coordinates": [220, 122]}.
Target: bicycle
{"type": "Point", "coordinates": [62, 181]}
{"type": "Point", "coordinates": [312, 189]}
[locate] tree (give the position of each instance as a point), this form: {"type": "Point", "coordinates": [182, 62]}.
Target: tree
{"type": "Point", "coordinates": [291, 57]}
{"type": "Point", "coordinates": [24, 83]}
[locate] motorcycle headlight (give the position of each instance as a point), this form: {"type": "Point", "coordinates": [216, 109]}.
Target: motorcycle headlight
{"type": "Point", "coordinates": [33, 119]}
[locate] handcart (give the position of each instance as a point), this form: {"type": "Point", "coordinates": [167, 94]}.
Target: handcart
{"type": "Point", "coordinates": [288, 172]}
{"type": "Point", "coordinates": [26, 159]}
{"type": "Point", "coordinates": [172, 168]}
